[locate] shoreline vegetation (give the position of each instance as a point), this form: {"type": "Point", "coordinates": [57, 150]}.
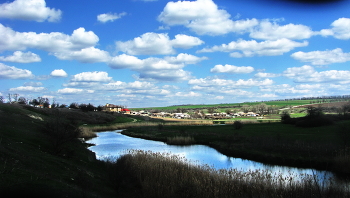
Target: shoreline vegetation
{"type": "Point", "coordinates": [41, 156]}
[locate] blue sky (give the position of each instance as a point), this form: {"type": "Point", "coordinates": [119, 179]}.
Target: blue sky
{"type": "Point", "coordinates": [147, 53]}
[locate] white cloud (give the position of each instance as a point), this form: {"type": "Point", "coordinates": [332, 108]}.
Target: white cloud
{"type": "Point", "coordinates": [20, 57]}
{"type": "Point", "coordinates": [103, 18]}
{"type": "Point", "coordinates": [309, 74]}
{"type": "Point", "coordinates": [54, 42]}
{"type": "Point", "coordinates": [322, 57]}
{"type": "Point", "coordinates": [203, 17]}
{"type": "Point", "coordinates": [185, 41]}
{"type": "Point", "coordinates": [96, 76]}
{"type": "Point", "coordinates": [340, 29]}
{"type": "Point", "coordinates": [13, 72]}
{"type": "Point", "coordinates": [35, 10]}
{"type": "Point", "coordinates": [265, 75]}
{"type": "Point", "coordinates": [232, 69]}
{"type": "Point", "coordinates": [189, 94]}
{"type": "Point", "coordinates": [152, 43]}
{"type": "Point", "coordinates": [74, 91]}
{"type": "Point", "coordinates": [125, 61]}
{"type": "Point", "coordinates": [59, 73]}
{"type": "Point", "coordinates": [272, 31]}
{"type": "Point", "coordinates": [254, 48]}
{"type": "Point", "coordinates": [168, 68]}
{"type": "Point", "coordinates": [203, 83]}
{"type": "Point", "coordinates": [184, 58]}
{"type": "Point", "coordinates": [27, 89]}
{"type": "Point", "coordinates": [86, 55]}
{"type": "Point", "coordinates": [166, 75]}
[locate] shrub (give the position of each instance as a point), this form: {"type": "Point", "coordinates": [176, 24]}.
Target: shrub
{"type": "Point", "coordinates": [237, 125]}
{"type": "Point", "coordinates": [285, 117]}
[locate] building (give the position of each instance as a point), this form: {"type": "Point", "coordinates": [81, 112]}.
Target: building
{"type": "Point", "coordinates": [113, 108]}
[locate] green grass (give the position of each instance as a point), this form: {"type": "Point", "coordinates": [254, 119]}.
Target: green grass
{"type": "Point", "coordinates": [273, 103]}
{"type": "Point", "coordinates": [274, 143]}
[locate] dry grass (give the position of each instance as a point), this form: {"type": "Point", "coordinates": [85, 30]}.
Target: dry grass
{"type": "Point", "coordinates": [163, 175]}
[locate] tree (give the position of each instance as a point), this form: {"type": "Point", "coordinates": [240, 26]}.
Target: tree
{"type": "Point", "coordinates": [261, 108]}
{"type": "Point", "coordinates": [211, 110]}
{"type": "Point", "coordinates": [246, 108]}
{"type": "Point", "coordinates": [34, 102]}
{"type": "Point", "coordinates": [22, 100]}
{"type": "Point", "coordinates": [74, 105]}
{"type": "Point", "coordinates": [2, 99]}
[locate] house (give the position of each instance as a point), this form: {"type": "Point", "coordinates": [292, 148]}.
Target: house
{"type": "Point", "coordinates": [126, 111]}
{"type": "Point", "coordinates": [112, 108]}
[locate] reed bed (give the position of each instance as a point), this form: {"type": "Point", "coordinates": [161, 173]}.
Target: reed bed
{"type": "Point", "coordinates": [149, 174]}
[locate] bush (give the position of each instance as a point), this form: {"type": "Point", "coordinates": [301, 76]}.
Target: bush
{"type": "Point", "coordinates": [285, 117]}
{"type": "Point", "coordinates": [237, 125]}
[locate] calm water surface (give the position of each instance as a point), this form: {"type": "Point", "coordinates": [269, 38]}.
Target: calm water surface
{"type": "Point", "coordinates": [113, 143]}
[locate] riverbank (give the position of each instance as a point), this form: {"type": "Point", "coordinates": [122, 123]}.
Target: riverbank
{"type": "Point", "coordinates": [34, 163]}
{"type": "Point", "coordinates": [321, 148]}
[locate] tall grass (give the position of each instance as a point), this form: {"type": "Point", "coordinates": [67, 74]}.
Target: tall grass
{"type": "Point", "coordinates": [150, 174]}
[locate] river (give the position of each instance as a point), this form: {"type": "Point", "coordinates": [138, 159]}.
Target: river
{"type": "Point", "coordinates": [114, 144]}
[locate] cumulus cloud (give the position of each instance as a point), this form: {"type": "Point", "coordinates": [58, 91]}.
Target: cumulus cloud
{"type": "Point", "coordinates": [74, 91]}
{"type": "Point", "coordinates": [168, 68]}
{"type": "Point", "coordinates": [79, 45]}
{"type": "Point", "coordinates": [232, 69]}
{"type": "Point", "coordinates": [86, 55]}
{"type": "Point", "coordinates": [265, 75]}
{"type": "Point", "coordinates": [202, 83]}
{"type": "Point", "coordinates": [340, 29]}
{"type": "Point", "coordinates": [203, 17]}
{"type": "Point", "coordinates": [13, 72]}
{"type": "Point", "coordinates": [104, 18]}
{"type": "Point", "coordinates": [309, 74]}
{"type": "Point", "coordinates": [21, 57]}
{"type": "Point", "coordinates": [58, 73]}
{"type": "Point", "coordinates": [254, 48]}
{"type": "Point", "coordinates": [96, 76]}
{"type": "Point", "coordinates": [189, 94]}
{"type": "Point", "coordinates": [322, 57]}
{"type": "Point", "coordinates": [185, 41]}
{"type": "Point", "coordinates": [33, 10]}
{"type": "Point", "coordinates": [267, 30]}
{"type": "Point", "coordinates": [27, 89]}
{"type": "Point", "coordinates": [152, 43]}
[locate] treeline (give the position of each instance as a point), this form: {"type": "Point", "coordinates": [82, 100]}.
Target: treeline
{"type": "Point", "coordinates": [44, 102]}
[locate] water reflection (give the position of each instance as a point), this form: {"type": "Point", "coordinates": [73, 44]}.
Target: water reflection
{"type": "Point", "coordinates": [115, 144]}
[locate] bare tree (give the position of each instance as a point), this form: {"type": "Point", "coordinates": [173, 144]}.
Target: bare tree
{"type": "Point", "coordinates": [2, 99]}
{"type": "Point", "coordinates": [9, 96]}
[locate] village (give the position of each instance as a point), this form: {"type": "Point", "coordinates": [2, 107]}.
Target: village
{"type": "Point", "coordinates": [179, 115]}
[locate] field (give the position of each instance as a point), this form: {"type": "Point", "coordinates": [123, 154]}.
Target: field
{"type": "Point", "coordinates": [279, 104]}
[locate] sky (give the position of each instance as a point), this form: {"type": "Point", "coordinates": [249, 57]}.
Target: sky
{"type": "Point", "coordinates": [155, 53]}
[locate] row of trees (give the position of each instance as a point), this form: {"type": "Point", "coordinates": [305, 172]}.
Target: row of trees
{"type": "Point", "coordinates": [45, 103]}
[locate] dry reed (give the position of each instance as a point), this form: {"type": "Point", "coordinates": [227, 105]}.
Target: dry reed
{"type": "Point", "coordinates": [165, 175]}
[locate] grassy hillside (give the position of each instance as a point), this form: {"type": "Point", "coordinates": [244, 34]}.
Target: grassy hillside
{"type": "Point", "coordinates": [30, 165]}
